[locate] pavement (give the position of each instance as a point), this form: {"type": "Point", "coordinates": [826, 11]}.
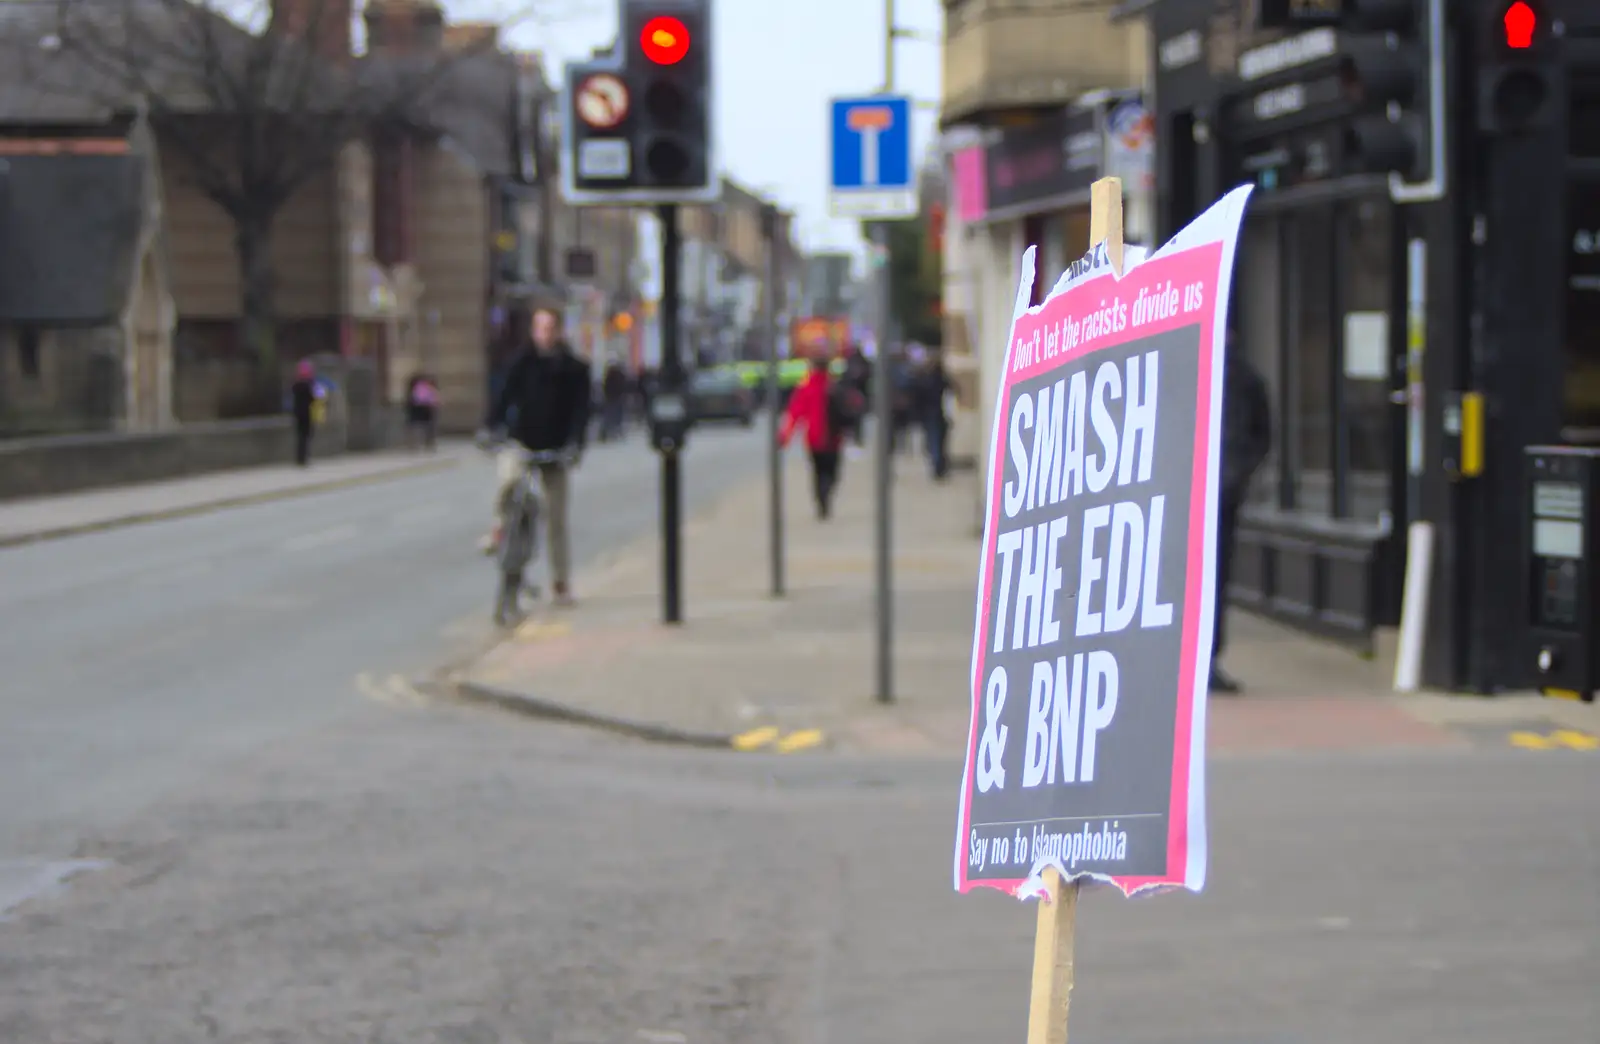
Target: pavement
{"type": "Point", "coordinates": [751, 671]}
{"type": "Point", "coordinates": [47, 518]}
{"type": "Point", "coordinates": [256, 834]}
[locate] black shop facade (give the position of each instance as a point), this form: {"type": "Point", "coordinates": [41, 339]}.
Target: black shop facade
{"type": "Point", "coordinates": [1377, 315]}
{"type": "Point", "coordinates": [1318, 308]}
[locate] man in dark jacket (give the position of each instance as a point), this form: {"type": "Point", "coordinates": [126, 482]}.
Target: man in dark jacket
{"type": "Point", "coordinates": [544, 403]}
{"type": "Point", "coordinates": [928, 393]}
{"type": "Point", "coordinates": [858, 376]}
{"type": "Point", "coordinates": [1246, 441]}
{"type": "Point", "coordinates": [614, 399]}
{"type": "Point", "coordinates": [302, 400]}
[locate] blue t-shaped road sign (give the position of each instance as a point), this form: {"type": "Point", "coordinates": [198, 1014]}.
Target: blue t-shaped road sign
{"type": "Point", "coordinates": [871, 158]}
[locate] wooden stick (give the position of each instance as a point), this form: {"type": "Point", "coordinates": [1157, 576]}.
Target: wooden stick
{"type": "Point", "coordinates": [1058, 911]}
{"type": "Point", "coordinates": [1052, 961]}
{"type": "Point", "coordinates": [1105, 218]}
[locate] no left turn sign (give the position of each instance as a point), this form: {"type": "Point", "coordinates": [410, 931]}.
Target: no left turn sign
{"type": "Point", "coordinates": [602, 101]}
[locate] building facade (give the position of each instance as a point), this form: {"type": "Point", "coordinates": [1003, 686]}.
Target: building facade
{"type": "Point", "coordinates": [1027, 119]}
{"type": "Point", "coordinates": [1388, 323]}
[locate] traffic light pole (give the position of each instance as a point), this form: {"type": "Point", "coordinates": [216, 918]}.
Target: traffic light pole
{"type": "Point", "coordinates": [884, 439]}
{"type": "Point", "coordinates": [769, 229]}
{"type": "Point", "coordinates": [671, 380]}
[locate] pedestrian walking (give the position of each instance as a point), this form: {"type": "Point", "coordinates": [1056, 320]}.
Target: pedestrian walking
{"type": "Point", "coordinates": [1246, 441]}
{"type": "Point", "coordinates": [815, 405]}
{"type": "Point", "coordinates": [929, 388]}
{"type": "Point", "coordinates": [903, 367]}
{"type": "Point", "coordinates": [302, 402]}
{"type": "Point", "coordinates": [422, 403]}
{"type": "Point", "coordinates": [857, 376]}
{"type": "Point", "coordinates": [614, 401]}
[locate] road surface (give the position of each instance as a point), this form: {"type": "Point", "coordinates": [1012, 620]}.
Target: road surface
{"type": "Point", "coordinates": [275, 858]}
{"type": "Point", "coordinates": [140, 659]}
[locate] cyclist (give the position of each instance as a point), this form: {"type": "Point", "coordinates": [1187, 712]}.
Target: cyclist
{"type": "Point", "coordinates": [546, 397]}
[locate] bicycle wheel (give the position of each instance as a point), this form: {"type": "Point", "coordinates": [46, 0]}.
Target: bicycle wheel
{"type": "Point", "coordinates": [516, 540]}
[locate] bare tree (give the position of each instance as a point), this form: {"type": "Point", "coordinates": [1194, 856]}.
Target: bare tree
{"type": "Point", "coordinates": [257, 101]}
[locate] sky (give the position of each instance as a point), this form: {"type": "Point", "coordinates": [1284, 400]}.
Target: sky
{"type": "Point", "coordinates": [778, 64]}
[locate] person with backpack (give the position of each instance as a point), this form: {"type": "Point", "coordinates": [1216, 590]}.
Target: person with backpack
{"type": "Point", "coordinates": [819, 404]}
{"type": "Point", "coordinates": [858, 377]}
{"type": "Point", "coordinates": [422, 405]}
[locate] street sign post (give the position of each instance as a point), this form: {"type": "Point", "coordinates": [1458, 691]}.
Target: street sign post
{"type": "Point", "coordinates": [872, 179]}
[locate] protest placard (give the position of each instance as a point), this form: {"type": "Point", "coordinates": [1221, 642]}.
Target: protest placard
{"type": "Point", "coordinates": [1092, 645]}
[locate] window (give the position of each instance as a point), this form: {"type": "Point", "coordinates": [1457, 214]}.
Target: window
{"type": "Point", "coordinates": [1257, 312]}
{"type": "Point", "coordinates": [1309, 436]}
{"type": "Point", "coordinates": [28, 363]}
{"type": "Point", "coordinates": [1366, 416]}
{"type": "Point", "coordinates": [1581, 376]}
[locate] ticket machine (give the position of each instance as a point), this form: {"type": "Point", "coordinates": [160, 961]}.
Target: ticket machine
{"type": "Point", "coordinates": [1563, 583]}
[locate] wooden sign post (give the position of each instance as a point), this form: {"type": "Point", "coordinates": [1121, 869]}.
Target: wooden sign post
{"type": "Point", "coordinates": [1058, 907]}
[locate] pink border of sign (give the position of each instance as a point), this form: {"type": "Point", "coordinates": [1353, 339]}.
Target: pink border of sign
{"type": "Point", "coordinates": [1201, 264]}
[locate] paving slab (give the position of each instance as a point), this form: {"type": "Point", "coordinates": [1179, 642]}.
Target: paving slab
{"type": "Point", "coordinates": [45, 518]}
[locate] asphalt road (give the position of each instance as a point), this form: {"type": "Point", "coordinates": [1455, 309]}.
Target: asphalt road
{"type": "Point", "coordinates": [276, 858]}
{"type": "Point", "coordinates": [449, 876]}
{"type": "Point", "coordinates": [139, 660]}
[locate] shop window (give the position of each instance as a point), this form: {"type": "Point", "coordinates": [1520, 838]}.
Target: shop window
{"type": "Point", "coordinates": [1183, 193]}
{"type": "Point", "coordinates": [1309, 436]}
{"type": "Point", "coordinates": [1366, 414]}
{"type": "Point", "coordinates": [1581, 376]}
{"type": "Point", "coordinates": [1054, 251]}
{"type": "Point", "coordinates": [1075, 233]}
{"type": "Point", "coordinates": [1257, 318]}
{"type": "Point", "coordinates": [28, 363]}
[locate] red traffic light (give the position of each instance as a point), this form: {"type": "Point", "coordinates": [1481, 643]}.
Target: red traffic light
{"type": "Point", "coordinates": [664, 40]}
{"type": "Point", "coordinates": [1520, 21]}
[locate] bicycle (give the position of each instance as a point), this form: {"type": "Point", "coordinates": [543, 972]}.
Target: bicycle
{"type": "Point", "coordinates": [521, 510]}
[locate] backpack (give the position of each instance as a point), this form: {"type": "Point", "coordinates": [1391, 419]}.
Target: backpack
{"type": "Point", "coordinates": [846, 405]}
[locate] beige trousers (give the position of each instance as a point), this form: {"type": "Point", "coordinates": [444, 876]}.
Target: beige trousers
{"type": "Point", "coordinates": [553, 480]}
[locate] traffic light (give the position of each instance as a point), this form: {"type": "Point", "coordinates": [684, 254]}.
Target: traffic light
{"type": "Point", "coordinates": [637, 118]}
{"type": "Point", "coordinates": [1519, 66]}
{"type": "Point", "coordinates": [1388, 76]}
{"type": "Point", "coordinates": [668, 58]}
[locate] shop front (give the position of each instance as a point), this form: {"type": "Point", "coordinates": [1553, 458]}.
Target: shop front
{"type": "Point", "coordinates": [1318, 309]}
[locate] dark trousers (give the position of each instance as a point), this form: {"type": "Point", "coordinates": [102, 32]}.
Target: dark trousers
{"type": "Point", "coordinates": [611, 419]}
{"type": "Point", "coordinates": [302, 441]}
{"type": "Point", "coordinates": [824, 479]}
{"type": "Point", "coordinates": [934, 430]}
{"type": "Point", "coordinates": [1227, 533]}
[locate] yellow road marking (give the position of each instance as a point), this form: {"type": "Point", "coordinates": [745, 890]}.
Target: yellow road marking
{"type": "Point", "coordinates": [540, 630]}
{"type": "Point", "coordinates": [1562, 694]}
{"type": "Point", "coordinates": [755, 739]}
{"type": "Point", "coordinates": [1575, 739]}
{"type": "Point", "coordinates": [802, 740]}
{"type": "Point", "coordinates": [1572, 739]}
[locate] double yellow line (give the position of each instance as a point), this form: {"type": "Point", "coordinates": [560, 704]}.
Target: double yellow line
{"type": "Point", "coordinates": [1570, 739]}
{"type": "Point", "coordinates": [774, 738]}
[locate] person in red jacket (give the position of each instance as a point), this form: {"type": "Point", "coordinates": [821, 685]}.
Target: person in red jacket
{"type": "Point", "coordinates": [811, 405]}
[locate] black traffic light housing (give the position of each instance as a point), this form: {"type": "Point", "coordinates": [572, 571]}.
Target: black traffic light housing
{"type": "Point", "coordinates": [1388, 75]}
{"type": "Point", "coordinates": [1520, 88]}
{"type": "Point", "coordinates": [638, 118]}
